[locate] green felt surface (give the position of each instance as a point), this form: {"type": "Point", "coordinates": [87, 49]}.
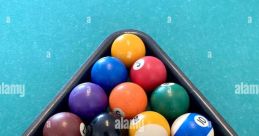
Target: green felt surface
{"type": "Point", "coordinates": [215, 43]}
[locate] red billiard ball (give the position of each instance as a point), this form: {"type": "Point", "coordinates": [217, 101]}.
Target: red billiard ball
{"type": "Point", "coordinates": [148, 72]}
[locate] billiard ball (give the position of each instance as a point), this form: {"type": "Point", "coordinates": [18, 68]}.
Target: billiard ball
{"type": "Point", "coordinates": [149, 72]}
{"type": "Point", "coordinates": [87, 100]}
{"type": "Point", "coordinates": [127, 100]}
{"type": "Point", "coordinates": [192, 124]}
{"type": "Point", "coordinates": [170, 99]}
{"type": "Point", "coordinates": [108, 72]}
{"type": "Point", "coordinates": [106, 124]}
{"type": "Point", "coordinates": [149, 123]}
{"type": "Point", "coordinates": [64, 124]}
{"type": "Point", "coordinates": [128, 48]}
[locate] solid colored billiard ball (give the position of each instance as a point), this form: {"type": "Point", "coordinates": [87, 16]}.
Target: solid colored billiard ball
{"type": "Point", "coordinates": [170, 99]}
{"type": "Point", "coordinates": [128, 48]}
{"type": "Point", "coordinates": [64, 124]}
{"type": "Point", "coordinates": [149, 72]}
{"type": "Point", "coordinates": [127, 100]}
{"type": "Point", "coordinates": [106, 124]}
{"type": "Point", "coordinates": [108, 72]}
{"type": "Point", "coordinates": [87, 100]}
{"type": "Point", "coordinates": [192, 124]}
{"type": "Point", "coordinates": [149, 123]}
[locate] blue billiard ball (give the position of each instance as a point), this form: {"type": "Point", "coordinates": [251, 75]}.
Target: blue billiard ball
{"type": "Point", "coordinates": [192, 124]}
{"type": "Point", "coordinates": [109, 72]}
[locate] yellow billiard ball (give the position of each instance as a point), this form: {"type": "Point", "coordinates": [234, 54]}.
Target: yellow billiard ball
{"type": "Point", "coordinates": [128, 48]}
{"type": "Point", "coordinates": [149, 123]}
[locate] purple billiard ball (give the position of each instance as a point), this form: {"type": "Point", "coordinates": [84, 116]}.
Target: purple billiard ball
{"type": "Point", "coordinates": [88, 100]}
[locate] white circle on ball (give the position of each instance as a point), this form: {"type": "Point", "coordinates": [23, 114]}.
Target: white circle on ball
{"type": "Point", "coordinates": [151, 130]}
{"type": "Point", "coordinates": [119, 112]}
{"type": "Point", "coordinates": [201, 121]}
{"type": "Point", "coordinates": [82, 129]}
{"type": "Point", "coordinates": [137, 119]}
{"type": "Point", "coordinates": [138, 64]}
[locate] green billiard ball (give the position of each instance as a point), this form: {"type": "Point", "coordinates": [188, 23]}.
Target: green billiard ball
{"type": "Point", "coordinates": [170, 99]}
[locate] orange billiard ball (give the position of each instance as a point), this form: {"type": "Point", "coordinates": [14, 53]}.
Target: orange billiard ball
{"type": "Point", "coordinates": [127, 100]}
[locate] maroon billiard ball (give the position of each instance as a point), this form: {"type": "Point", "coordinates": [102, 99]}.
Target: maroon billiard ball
{"type": "Point", "coordinates": [64, 124]}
